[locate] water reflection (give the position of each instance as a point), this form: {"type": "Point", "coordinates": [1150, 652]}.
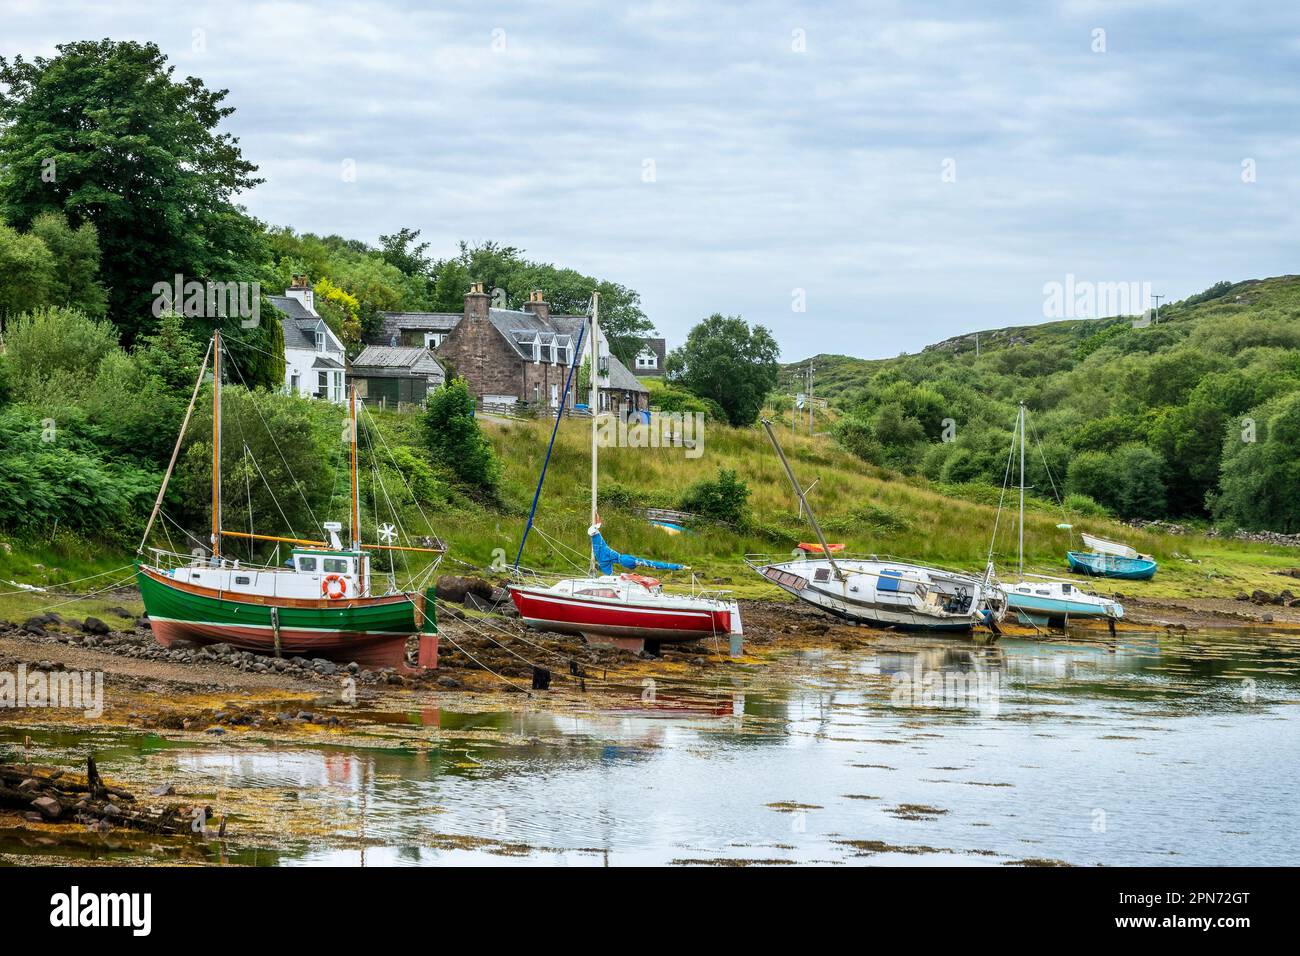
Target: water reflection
{"type": "Point", "coordinates": [1153, 748]}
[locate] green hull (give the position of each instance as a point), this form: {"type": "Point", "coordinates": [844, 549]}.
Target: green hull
{"type": "Point", "coordinates": [369, 631]}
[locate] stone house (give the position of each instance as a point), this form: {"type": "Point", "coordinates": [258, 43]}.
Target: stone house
{"type": "Point", "coordinates": [515, 355]}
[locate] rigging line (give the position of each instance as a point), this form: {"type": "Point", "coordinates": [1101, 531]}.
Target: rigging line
{"type": "Point", "coordinates": [271, 491]}
{"type": "Point", "coordinates": [398, 468]}
{"type": "Point", "coordinates": [377, 479]}
{"type": "Point", "coordinates": [248, 492]}
{"type": "Point", "coordinates": [166, 517]}
{"type": "Point", "coordinates": [89, 594]}
{"type": "Point", "coordinates": [546, 650]}
{"type": "Point", "coordinates": [60, 584]}
{"type": "Point", "coordinates": [997, 518]}
{"type": "Point", "coordinates": [453, 643]}
{"type": "Point", "coordinates": [296, 484]}
{"type": "Point", "coordinates": [561, 547]}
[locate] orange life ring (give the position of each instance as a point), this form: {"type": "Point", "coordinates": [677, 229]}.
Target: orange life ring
{"type": "Point", "coordinates": [327, 589]}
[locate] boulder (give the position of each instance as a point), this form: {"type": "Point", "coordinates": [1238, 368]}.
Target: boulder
{"type": "Point", "coordinates": [454, 588]}
{"type": "Point", "coordinates": [93, 625]}
{"type": "Point", "coordinates": [49, 808]}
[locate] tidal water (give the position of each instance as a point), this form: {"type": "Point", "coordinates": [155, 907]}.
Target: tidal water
{"type": "Point", "coordinates": [1153, 750]}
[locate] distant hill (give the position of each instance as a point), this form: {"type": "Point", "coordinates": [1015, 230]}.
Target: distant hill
{"type": "Point", "coordinates": [1191, 417]}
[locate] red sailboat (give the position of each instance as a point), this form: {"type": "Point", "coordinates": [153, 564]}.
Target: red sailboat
{"type": "Point", "coordinates": [628, 610]}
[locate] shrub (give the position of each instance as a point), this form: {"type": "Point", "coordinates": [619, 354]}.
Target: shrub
{"type": "Point", "coordinates": [725, 499]}
{"type": "Point", "coordinates": [454, 438]}
{"type": "Point", "coordinates": [1077, 504]}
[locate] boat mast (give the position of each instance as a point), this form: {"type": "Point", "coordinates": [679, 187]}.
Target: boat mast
{"type": "Point", "coordinates": [1022, 490]}
{"type": "Point", "coordinates": [594, 400]}
{"type": "Point", "coordinates": [171, 465]}
{"type": "Point", "coordinates": [356, 498]}
{"type": "Point", "coordinates": [216, 445]}
{"type": "Point", "coordinates": [794, 482]}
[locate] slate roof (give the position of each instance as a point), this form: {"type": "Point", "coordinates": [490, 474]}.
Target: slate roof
{"type": "Point", "coordinates": [298, 323]}
{"type": "Point", "coordinates": [393, 322]}
{"type": "Point", "coordinates": [401, 360]}
{"type": "Point", "coordinates": [623, 380]}
{"type": "Point", "coordinates": [659, 347]}
{"type": "Point", "coordinates": [323, 361]}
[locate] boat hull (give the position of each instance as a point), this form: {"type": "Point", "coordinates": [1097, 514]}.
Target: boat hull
{"type": "Point", "coordinates": [1055, 608]}
{"type": "Point", "coordinates": [857, 599]}
{"type": "Point", "coordinates": [1111, 566]}
{"type": "Point", "coordinates": [566, 614]}
{"type": "Point", "coordinates": [370, 631]}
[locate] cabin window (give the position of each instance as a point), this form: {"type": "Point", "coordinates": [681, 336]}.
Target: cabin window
{"type": "Point", "coordinates": [243, 580]}
{"type": "Point", "coordinates": [822, 575]}
{"type": "Point", "coordinates": [1065, 589]}
{"type": "Point", "coordinates": [336, 565]}
{"type": "Point", "coordinates": [306, 564]}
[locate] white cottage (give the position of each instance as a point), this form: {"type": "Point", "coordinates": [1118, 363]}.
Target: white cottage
{"type": "Point", "coordinates": [314, 360]}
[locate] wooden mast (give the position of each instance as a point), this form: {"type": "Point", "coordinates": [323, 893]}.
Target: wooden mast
{"type": "Point", "coordinates": [595, 406]}
{"type": "Point", "coordinates": [216, 445]}
{"type": "Point", "coordinates": [356, 492]}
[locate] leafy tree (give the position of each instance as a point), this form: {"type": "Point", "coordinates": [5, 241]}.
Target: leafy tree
{"type": "Point", "coordinates": [1129, 480]}
{"type": "Point", "coordinates": [103, 133]}
{"type": "Point", "coordinates": [454, 438]}
{"type": "Point", "coordinates": [401, 251]}
{"type": "Point", "coordinates": [75, 256]}
{"type": "Point", "coordinates": [26, 272]}
{"type": "Point", "coordinates": [1260, 477]}
{"type": "Point", "coordinates": [53, 354]}
{"type": "Point", "coordinates": [724, 498]}
{"type": "Point", "coordinates": [724, 360]}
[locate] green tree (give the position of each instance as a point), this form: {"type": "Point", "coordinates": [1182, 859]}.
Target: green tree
{"type": "Point", "coordinates": [453, 437]}
{"type": "Point", "coordinates": [54, 354]}
{"type": "Point", "coordinates": [1259, 477]}
{"type": "Point", "coordinates": [103, 133]}
{"type": "Point", "coordinates": [75, 256]}
{"type": "Point", "coordinates": [26, 272]}
{"type": "Point", "coordinates": [724, 360]}
{"type": "Point", "coordinates": [1129, 480]}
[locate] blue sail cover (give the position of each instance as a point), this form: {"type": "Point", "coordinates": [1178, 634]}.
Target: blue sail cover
{"type": "Point", "coordinates": [607, 557]}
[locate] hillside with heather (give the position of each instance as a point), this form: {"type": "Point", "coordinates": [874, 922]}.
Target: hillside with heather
{"type": "Point", "coordinates": [1194, 418]}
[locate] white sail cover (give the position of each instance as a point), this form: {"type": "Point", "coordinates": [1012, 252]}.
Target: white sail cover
{"type": "Point", "coordinates": [1102, 546]}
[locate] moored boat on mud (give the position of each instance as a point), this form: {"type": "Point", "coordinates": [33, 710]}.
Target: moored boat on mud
{"type": "Point", "coordinates": [878, 591]}
{"type": "Point", "coordinates": [1034, 598]}
{"type": "Point", "coordinates": [628, 610]}
{"type": "Point", "coordinates": [323, 603]}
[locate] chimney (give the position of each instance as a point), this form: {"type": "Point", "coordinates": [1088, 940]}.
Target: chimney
{"type": "Point", "coordinates": [300, 289]}
{"type": "Point", "coordinates": [476, 302]}
{"type": "Point", "coordinates": [538, 305]}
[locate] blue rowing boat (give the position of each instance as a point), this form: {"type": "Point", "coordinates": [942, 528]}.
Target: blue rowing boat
{"type": "Point", "coordinates": [1101, 565]}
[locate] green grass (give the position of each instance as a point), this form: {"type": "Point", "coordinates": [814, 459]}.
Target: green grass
{"type": "Point", "coordinates": [870, 509]}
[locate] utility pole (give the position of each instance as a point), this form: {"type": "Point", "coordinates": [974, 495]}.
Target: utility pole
{"type": "Point", "coordinates": [810, 399]}
{"type": "Point", "coordinates": [1157, 298]}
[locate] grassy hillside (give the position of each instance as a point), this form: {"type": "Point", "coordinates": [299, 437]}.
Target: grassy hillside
{"type": "Point", "coordinates": [1194, 418]}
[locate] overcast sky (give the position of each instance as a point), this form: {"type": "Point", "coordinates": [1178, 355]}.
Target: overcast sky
{"type": "Point", "coordinates": [910, 171]}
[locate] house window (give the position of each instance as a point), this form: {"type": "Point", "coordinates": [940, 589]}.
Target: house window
{"type": "Point", "coordinates": [432, 340]}
{"type": "Point", "coordinates": [320, 341]}
{"type": "Point", "coordinates": [647, 360]}
{"type": "Point", "coordinates": [295, 381]}
{"type": "Point", "coordinates": [562, 354]}
{"type": "Point", "coordinates": [537, 350]}
{"type": "Point", "coordinates": [537, 392]}
{"type": "Point", "coordinates": [322, 384]}
{"type": "Point", "coordinates": [338, 387]}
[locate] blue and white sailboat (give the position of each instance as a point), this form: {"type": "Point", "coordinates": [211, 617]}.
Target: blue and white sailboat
{"type": "Point", "coordinates": [1043, 600]}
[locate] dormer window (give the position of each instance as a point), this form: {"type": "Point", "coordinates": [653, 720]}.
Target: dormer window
{"type": "Point", "coordinates": [562, 354]}
{"type": "Point", "coordinates": [320, 341]}
{"type": "Point", "coordinates": [537, 350]}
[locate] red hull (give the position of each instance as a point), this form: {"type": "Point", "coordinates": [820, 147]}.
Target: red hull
{"type": "Point", "coordinates": [575, 615]}
{"type": "Point", "coordinates": [368, 650]}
